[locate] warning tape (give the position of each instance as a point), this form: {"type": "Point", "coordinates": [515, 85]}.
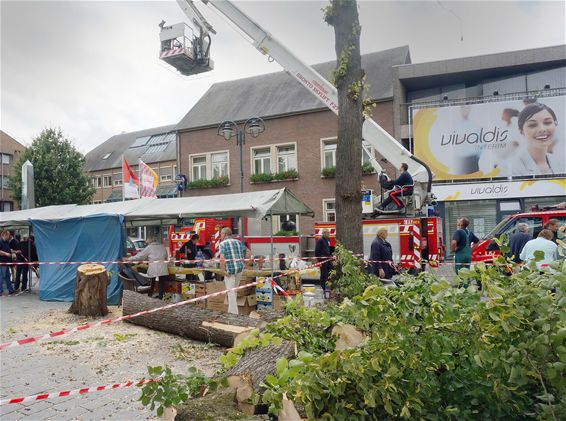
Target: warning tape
{"type": "Point", "coordinates": [20, 342]}
{"type": "Point", "coordinates": [43, 396]}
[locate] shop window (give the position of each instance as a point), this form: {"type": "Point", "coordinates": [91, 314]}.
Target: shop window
{"type": "Point", "coordinates": [262, 161]}
{"type": "Point", "coordinates": [329, 210]}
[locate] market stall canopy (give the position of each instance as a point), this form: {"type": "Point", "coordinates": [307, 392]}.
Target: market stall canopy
{"type": "Point", "coordinates": [253, 205]}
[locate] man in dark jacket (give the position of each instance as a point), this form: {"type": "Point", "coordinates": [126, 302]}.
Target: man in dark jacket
{"type": "Point", "coordinates": [322, 252]}
{"type": "Point", "coordinates": [189, 249]}
{"type": "Point", "coordinates": [404, 187]}
{"type": "Point", "coordinates": [28, 253]}
{"type": "Point", "coordinates": [381, 256]}
{"type": "Point", "coordinates": [517, 241]}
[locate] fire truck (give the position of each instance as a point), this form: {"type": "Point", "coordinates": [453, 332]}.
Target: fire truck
{"type": "Point", "coordinates": [208, 230]}
{"type": "Point", "coordinates": [188, 51]}
{"type": "Point", "coordinates": [487, 249]}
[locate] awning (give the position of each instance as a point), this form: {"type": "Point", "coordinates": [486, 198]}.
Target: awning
{"type": "Point", "coordinates": [253, 205]}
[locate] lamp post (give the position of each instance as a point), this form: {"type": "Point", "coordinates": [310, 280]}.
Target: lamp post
{"type": "Point", "coordinates": [254, 126]}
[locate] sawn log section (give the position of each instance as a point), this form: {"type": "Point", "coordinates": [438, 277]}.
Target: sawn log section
{"type": "Point", "coordinates": [190, 321]}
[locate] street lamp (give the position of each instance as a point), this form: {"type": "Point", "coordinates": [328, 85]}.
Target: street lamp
{"type": "Point", "coordinates": [254, 126]}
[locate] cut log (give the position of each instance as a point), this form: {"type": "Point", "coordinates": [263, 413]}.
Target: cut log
{"type": "Point", "coordinates": [246, 376]}
{"type": "Point", "coordinates": [288, 412]}
{"type": "Point", "coordinates": [90, 291]}
{"type": "Point", "coordinates": [190, 321]}
{"type": "Point", "coordinates": [348, 336]}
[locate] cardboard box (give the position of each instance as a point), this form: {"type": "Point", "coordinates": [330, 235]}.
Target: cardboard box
{"type": "Point", "coordinates": [246, 304]}
{"type": "Point", "coordinates": [217, 306]}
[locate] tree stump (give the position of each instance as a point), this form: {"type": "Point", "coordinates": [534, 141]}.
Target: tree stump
{"type": "Point", "coordinates": [90, 291]}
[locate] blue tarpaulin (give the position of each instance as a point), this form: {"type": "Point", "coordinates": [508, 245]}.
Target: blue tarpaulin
{"type": "Point", "coordinates": [86, 239]}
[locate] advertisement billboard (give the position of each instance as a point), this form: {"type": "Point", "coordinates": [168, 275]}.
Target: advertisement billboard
{"type": "Point", "coordinates": [494, 139]}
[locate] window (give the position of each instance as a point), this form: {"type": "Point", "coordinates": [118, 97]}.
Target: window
{"type": "Point", "coordinates": [5, 182]}
{"type": "Point", "coordinates": [96, 182]}
{"type": "Point", "coordinates": [219, 164]}
{"type": "Point", "coordinates": [198, 164]}
{"type": "Point", "coordinates": [117, 178]}
{"type": "Point", "coordinates": [262, 161]}
{"type": "Point", "coordinates": [329, 210]}
{"type": "Point", "coordinates": [286, 158]}
{"type": "Point", "coordinates": [6, 206]}
{"type": "Point", "coordinates": [106, 156]}
{"type": "Point", "coordinates": [367, 148]}
{"type": "Point", "coordinates": [165, 174]}
{"type": "Point", "coordinates": [329, 153]}
{"type": "Point", "coordinates": [107, 181]}
{"type": "Point", "coordinates": [281, 223]}
{"type": "Point", "coordinates": [209, 166]}
{"type": "Point", "coordinates": [6, 158]}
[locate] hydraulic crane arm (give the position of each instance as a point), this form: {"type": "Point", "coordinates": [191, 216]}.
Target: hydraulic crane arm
{"type": "Point", "coordinates": [263, 41]}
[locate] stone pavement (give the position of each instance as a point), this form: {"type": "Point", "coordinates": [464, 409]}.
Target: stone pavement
{"type": "Point", "coordinates": [108, 354]}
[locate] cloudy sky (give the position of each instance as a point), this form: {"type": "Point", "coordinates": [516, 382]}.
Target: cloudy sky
{"type": "Point", "coordinates": [92, 67]}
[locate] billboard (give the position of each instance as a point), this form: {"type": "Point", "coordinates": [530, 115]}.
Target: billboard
{"type": "Point", "coordinates": [494, 139]}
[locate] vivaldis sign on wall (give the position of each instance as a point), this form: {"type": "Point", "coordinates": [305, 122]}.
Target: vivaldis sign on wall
{"type": "Point", "coordinates": [495, 139]}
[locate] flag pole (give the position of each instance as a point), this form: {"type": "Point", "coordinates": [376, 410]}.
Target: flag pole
{"type": "Point", "coordinates": [141, 177]}
{"type": "Point", "coordinates": [123, 183]}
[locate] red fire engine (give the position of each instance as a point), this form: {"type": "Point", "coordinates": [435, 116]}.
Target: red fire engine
{"type": "Point", "coordinates": [414, 240]}
{"type": "Point", "coordinates": [208, 230]}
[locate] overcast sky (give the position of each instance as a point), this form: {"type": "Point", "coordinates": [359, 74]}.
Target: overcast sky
{"type": "Point", "coordinates": [92, 67]}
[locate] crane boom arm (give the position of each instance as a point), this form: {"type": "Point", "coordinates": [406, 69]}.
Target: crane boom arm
{"type": "Point", "coordinates": [263, 41]}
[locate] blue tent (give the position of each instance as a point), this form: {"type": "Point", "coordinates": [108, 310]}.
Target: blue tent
{"type": "Point", "coordinates": [94, 238]}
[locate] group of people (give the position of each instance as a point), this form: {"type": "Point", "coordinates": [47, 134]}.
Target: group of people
{"type": "Point", "coordinates": [523, 248]}
{"type": "Point", "coordinates": [14, 251]}
{"type": "Point", "coordinates": [232, 253]}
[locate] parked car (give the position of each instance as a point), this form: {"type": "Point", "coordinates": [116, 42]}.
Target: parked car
{"type": "Point", "coordinates": [134, 245]}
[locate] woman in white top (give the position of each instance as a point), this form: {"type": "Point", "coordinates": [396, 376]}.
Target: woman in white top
{"type": "Point", "coordinates": [537, 123]}
{"type": "Point", "coordinates": [156, 253]}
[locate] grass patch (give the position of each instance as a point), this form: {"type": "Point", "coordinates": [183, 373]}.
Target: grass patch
{"type": "Point", "coordinates": [121, 337]}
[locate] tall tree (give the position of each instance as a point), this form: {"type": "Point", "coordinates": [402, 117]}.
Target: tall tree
{"type": "Point", "coordinates": [59, 175]}
{"type": "Point", "coordinates": [348, 79]}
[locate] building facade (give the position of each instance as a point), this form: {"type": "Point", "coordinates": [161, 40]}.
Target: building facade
{"type": "Point", "coordinates": [297, 150]}
{"type": "Point", "coordinates": [155, 147]}
{"type": "Point", "coordinates": [10, 152]}
{"type": "Point", "coordinates": [471, 120]}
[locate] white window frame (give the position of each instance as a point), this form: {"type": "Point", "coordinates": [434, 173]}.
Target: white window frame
{"type": "Point", "coordinates": [326, 212]}
{"type": "Point", "coordinates": [227, 163]}
{"type": "Point", "coordinates": [107, 180]}
{"type": "Point", "coordinates": [208, 163]}
{"type": "Point", "coordinates": [326, 140]}
{"type": "Point", "coordinates": [253, 159]}
{"type": "Point", "coordinates": [117, 179]}
{"type": "Point", "coordinates": [274, 156]}
{"type": "Point", "coordinates": [97, 182]}
{"type": "Point", "coordinates": [165, 177]}
{"type": "Point", "coordinates": [8, 157]}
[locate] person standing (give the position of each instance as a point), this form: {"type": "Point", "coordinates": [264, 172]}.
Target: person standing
{"type": "Point", "coordinates": [517, 241]}
{"type": "Point", "coordinates": [542, 243]}
{"type": "Point", "coordinates": [5, 257]}
{"type": "Point", "coordinates": [322, 252]}
{"type": "Point", "coordinates": [232, 255]}
{"type": "Point", "coordinates": [28, 253]}
{"type": "Point", "coordinates": [553, 225]}
{"type": "Point", "coordinates": [461, 245]}
{"type": "Point", "coordinates": [403, 187]}
{"type": "Point", "coordinates": [158, 269]}
{"type": "Point", "coordinates": [189, 249]}
{"type": "Point", "coordinates": [381, 256]}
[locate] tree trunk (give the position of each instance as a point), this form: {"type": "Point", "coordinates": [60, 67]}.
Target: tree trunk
{"type": "Point", "coordinates": [343, 16]}
{"type": "Point", "coordinates": [248, 374]}
{"type": "Point", "coordinates": [190, 321]}
{"type": "Point", "coordinates": [90, 291]}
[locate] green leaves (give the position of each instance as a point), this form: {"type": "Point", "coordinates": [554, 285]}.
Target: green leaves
{"type": "Point", "coordinates": [434, 351]}
{"type": "Point", "coordinates": [59, 172]}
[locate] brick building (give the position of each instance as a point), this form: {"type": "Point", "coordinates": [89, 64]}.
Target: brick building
{"type": "Point", "coordinates": [156, 147]}
{"type": "Point", "coordinates": [300, 135]}
{"type": "Point", "coordinates": [10, 151]}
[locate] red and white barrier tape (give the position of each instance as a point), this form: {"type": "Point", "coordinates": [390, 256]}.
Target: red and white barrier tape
{"type": "Point", "coordinates": [43, 396]}
{"type": "Point", "coordinates": [62, 332]}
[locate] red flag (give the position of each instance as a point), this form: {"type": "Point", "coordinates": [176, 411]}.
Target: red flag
{"type": "Point", "coordinates": [130, 182]}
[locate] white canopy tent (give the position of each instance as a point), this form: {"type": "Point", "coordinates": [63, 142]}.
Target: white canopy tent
{"type": "Point", "coordinates": [164, 211]}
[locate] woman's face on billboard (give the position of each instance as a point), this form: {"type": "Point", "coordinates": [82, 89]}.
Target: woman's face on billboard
{"type": "Point", "coordinates": [539, 129]}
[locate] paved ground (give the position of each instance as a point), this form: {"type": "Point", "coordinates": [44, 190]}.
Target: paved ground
{"type": "Point", "coordinates": [100, 356]}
